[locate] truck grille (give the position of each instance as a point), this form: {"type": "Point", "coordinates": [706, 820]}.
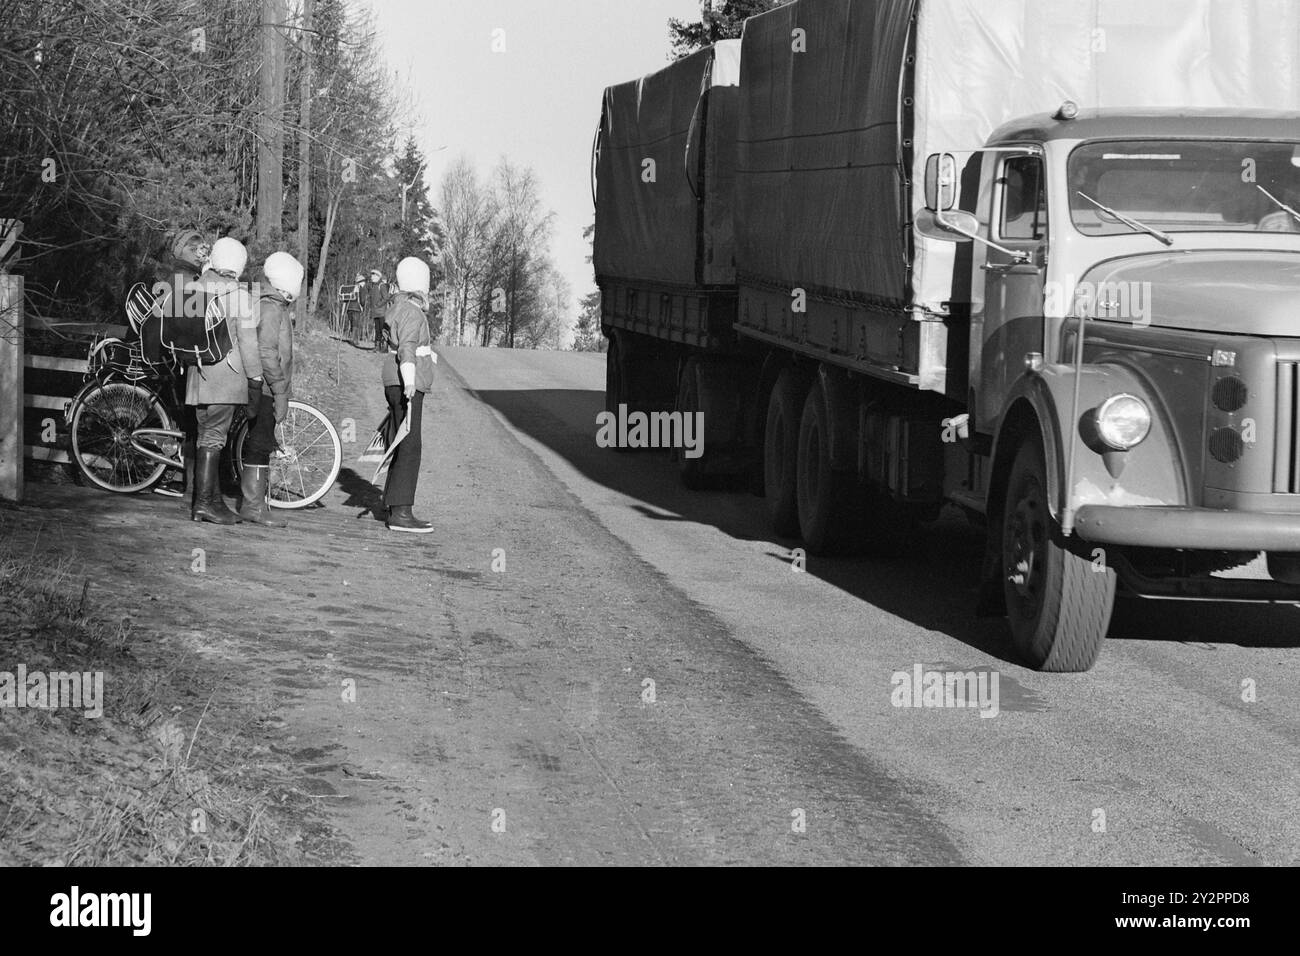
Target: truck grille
{"type": "Point", "coordinates": [1286, 467]}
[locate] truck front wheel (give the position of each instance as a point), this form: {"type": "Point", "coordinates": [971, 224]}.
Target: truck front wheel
{"type": "Point", "coordinates": [1059, 599]}
{"type": "Point", "coordinates": [781, 454]}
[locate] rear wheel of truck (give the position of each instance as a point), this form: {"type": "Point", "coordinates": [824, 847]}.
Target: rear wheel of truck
{"type": "Point", "coordinates": [615, 377]}
{"type": "Point", "coordinates": [691, 470]}
{"type": "Point", "coordinates": [828, 501]}
{"type": "Point", "coordinates": [1059, 600]}
{"type": "Point", "coordinates": [781, 454]}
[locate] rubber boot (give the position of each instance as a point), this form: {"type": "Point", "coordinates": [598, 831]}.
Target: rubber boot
{"type": "Point", "coordinates": [401, 519]}
{"type": "Point", "coordinates": [255, 509]}
{"type": "Point", "coordinates": [208, 503]}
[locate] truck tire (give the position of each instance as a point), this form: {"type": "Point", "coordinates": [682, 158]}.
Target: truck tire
{"type": "Point", "coordinates": [691, 470]}
{"type": "Point", "coordinates": [781, 454]}
{"type": "Point", "coordinates": [615, 377]}
{"type": "Point", "coordinates": [1059, 600]}
{"type": "Point", "coordinates": [829, 507]}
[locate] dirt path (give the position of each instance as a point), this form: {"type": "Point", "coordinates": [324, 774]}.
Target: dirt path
{"type": "Point", "coordinates": [574, 707]}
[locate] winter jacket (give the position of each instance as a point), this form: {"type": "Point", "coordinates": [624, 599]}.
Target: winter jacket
{"type": "Point", "coordinates": [226, 383]}
{"type": "Point", "coordinates": [275, 344]}
{"type": "Point", "coordinates": [376, 299]}
{"type": "Point", "coordinates": [409, 341]}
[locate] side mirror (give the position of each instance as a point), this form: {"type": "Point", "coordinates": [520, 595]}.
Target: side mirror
{"type": "Point", "coordinates": [954, 226]}
{"type": "Point", "coordinates": [940, 182]}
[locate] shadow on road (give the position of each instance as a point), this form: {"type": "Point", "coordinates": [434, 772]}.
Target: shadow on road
{"type": "Point", "coordinates": [933, 586]}
{"type": "Point", "coordinates": [361, 494]}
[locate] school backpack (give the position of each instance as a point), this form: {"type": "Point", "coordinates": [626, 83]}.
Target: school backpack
{"type": "Point", "coordinates": [189, 330]}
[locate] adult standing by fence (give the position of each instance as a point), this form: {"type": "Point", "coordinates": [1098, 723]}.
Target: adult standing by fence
{"type": "Point", "coordinates": [408, 377]}
{"type": "Point", "coordinates": [189, 251]}
{"type": "Point", "coordinates": [217, 390]}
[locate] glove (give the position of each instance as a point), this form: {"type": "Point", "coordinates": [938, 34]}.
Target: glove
{"type": "Point", "coordinates": [254, 397]}
{"type": "Point", "coordinates": [281, 408]}
{"type": "Point", "coordinates": [408, 379]}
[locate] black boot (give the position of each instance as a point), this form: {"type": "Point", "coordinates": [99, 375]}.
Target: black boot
{"type": "Point", "coordinates": [401, 519]}
{"type": "Point", "coordinates": [255, 509]}
{"type": "Point", "coordinates": [208, 503]}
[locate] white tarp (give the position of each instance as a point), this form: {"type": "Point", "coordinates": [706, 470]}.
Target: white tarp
{"type": "Point", "coordinates": [981, 63]}
{"type": "Point", "coordinates": [819, 142]}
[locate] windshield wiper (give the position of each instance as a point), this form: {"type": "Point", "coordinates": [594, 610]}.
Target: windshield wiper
{"type": "Point", "coordinates": [1131, 223]}
{"type": "Point", "coordinates": [1279, 203]}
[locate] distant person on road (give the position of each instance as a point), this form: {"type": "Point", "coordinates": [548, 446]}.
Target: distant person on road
{"type": "Point", "coordinates": [236, 381]}
{"type": "Point", "coordinates": [283, 276]}
{"type": "Point", "coordinates": [354, 321]}
{"type": "Point", "coordinates": [376, 297]}
{"type": "Point", "coordinates": [408, 377]}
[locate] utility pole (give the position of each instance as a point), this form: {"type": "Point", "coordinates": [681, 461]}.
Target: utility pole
{"type": "Point", "coordinates": [409, 186]}
{"type": "Point", "coordinates": [270, 126]}
{"type": "Point", "coordinates": [304, 153]}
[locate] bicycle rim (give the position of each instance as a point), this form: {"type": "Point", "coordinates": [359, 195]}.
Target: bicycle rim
{"type": "Point", "coordinates": [306, 461]}
{"type": "Point", "coordinates": [102, 426]}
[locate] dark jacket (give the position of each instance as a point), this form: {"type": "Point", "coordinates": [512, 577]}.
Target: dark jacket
{"type": "Point", "coordinates": [410, 341]}
{"type": "Point", "coordinates": [275, 344]}
{"type": "Point", "coordinates": [375, 298]}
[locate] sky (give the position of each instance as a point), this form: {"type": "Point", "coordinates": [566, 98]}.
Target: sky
{"type": "Point", "coordinates": [538, 102]}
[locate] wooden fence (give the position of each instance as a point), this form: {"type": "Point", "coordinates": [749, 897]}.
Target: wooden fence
{"type": "Point", "coordinates": [35, 389]}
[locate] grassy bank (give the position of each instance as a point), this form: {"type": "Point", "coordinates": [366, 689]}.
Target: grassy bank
{"type": "Point", "coordinates": [183, 767]}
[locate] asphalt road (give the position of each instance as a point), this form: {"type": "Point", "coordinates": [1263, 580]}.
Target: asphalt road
{"type": "Point", "coordinates": [1153, 757]}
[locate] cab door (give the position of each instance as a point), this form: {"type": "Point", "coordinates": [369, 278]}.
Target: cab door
{"type": "Point", "coordinates": [1013, 284]}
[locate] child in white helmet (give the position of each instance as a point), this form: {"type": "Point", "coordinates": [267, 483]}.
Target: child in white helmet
{"type": "Point", "coordinates": [408, 377]}
{"type": "Point", "coordinates": [217, 390]}
{"type": "Point", "coordinates": [283, 276]}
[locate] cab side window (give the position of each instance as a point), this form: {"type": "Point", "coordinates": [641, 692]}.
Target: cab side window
{"type": "Point", "coordinates": [1024, 200]}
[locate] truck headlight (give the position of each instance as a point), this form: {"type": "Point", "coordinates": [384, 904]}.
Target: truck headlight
{"type": "Point", "coordinates": [1123, 422]}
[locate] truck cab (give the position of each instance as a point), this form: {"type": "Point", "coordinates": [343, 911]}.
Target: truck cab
{"type": "Point", "coordinates": [1134, 360]}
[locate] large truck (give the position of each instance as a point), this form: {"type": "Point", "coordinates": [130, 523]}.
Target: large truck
{"type": "Point", "coordinates": [1037, 259]}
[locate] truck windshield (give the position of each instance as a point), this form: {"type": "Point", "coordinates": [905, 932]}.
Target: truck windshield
{"type": "Point", "coordinates": [1182, 186]}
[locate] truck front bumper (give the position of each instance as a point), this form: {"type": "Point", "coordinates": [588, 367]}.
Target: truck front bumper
{"type": "Point", "coordinates": [1197, 529]}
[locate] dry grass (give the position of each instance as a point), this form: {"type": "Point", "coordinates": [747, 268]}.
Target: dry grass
{"type": "Point", "coordinates": [159, 779]}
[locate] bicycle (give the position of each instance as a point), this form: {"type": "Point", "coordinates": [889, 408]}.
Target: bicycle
{"type": "Point", "coordinates": [124, 436]}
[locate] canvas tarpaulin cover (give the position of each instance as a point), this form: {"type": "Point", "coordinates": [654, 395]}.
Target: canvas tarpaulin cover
{"type": "Point", "coordinates": [820, 199]}
{"type": "Point", "coordinates": [656, 230]}
{"type": "Point", "coordinates": [650, 229]}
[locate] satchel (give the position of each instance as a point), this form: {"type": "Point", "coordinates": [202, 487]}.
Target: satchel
{"type": "Point", "coordinates": [192, 332]}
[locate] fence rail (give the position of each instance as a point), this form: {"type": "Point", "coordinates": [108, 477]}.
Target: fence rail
{"type": "Point", "coordinates": [35, 389]}
{"type": "Point", "coordinates": [62, 388]}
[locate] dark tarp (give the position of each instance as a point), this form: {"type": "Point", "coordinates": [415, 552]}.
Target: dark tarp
{"type": "Point", "coordinates": [658, 231]}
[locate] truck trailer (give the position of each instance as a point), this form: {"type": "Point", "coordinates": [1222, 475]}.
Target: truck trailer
{"type": "Point", "coordinates": [1037, 259]}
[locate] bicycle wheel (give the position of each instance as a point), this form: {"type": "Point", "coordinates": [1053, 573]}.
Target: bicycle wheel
{"type": "Point", "coordinates": [105, 418]}
{"type": "Point", "coordinates": [306, 460]}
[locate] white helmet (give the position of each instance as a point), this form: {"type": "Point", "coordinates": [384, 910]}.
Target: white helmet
{"type": "Point", "coordinates": [285, 273]}
{"type": "Point", "coordinates": [413, 276]}
{"type": "Point", "coordinates": [228, 256]}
